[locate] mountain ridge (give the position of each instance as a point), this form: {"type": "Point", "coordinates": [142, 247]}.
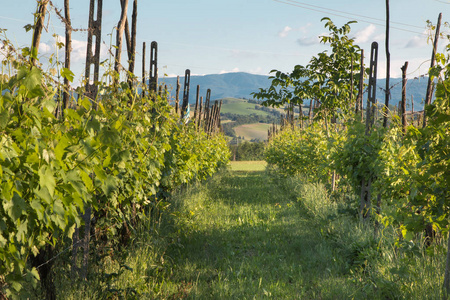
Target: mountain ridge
{"type": "Point", "coordinates": [241, 85]}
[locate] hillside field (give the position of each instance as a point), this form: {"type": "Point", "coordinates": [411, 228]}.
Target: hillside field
{"type": "Point", "coordinates": [253, 131]}
{"type": "Point", "coordinates": [240, 107]}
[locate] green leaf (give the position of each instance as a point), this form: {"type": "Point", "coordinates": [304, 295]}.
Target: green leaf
{"type": "Point", "coordinates": [4, 119]}
{"type": "Point", "coordinates": [47, 180]}
{"type": "Point", "coordinates": [16, 207]}
{"type": "Point", "coordinates": [109, 185]}
{"type": "Point", "coordinates": [68, 74]}
{"type": "Point", "coordinates": [38, 208]}
{"type": "Point", "coordinates": [44, 194]}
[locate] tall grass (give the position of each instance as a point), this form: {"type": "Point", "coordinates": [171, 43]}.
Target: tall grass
{"type": "Point", "coordinates": [251, 235]}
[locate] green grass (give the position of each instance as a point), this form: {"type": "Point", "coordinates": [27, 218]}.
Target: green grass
{"type": "Point", "coordinates": [246, 234]}
{"type": "Point", "coordinates": [248, 165]}
{"type": "Point", "coordinates": [240, 107]}
{"type": "Point", "coordinates": [253, 131]}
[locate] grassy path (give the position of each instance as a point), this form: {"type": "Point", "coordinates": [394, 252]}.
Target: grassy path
{"type": "Point", "coordinates": [246, 237]}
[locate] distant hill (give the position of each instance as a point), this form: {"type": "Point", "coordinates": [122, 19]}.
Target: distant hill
{"type": "Point", "coordinates": [241, 85]}
{"type": "Point", "coordinates": [235, 85]}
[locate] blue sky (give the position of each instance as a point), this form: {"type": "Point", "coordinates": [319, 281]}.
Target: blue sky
{"type": "Point", "coordinates": [255, 36]}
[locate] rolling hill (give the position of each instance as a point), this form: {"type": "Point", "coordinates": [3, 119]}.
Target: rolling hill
{"type": "Point", "coordinates": [241, 85]}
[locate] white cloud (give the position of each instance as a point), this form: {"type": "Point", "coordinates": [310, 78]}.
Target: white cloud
{"type": "Point", "coordinates": [79, 48]}
{"type": "Point", "coordinates": [308, 41]}
{"type": "Point", "coordinates": [418, 41]}
{"type": "Point", "coordinates": [283, 33]}
{"type": "Point", "coordinates": [286, 30]}
{"type": "Point", "coordinates": [365, 34]}
{"type": "Point", "coordinates": [232, 71]}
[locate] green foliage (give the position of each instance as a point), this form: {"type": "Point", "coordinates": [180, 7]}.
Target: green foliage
{"type": "Point", "coordinates": [303, 152]}
{"type": "Point", "coordinates": [327, 77]}
{"type": "Point", "coordinates": [114, 154]}
{"type": "Point", "coordinates": [247, 151]}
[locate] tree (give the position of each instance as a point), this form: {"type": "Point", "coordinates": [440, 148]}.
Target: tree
{"type": "Point", "coordinates": [327, 77]}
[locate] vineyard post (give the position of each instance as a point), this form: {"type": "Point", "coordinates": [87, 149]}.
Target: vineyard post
{"type": "Point", "coordinates": [370, 110]}
{"type": "Point", "coordinates": [187, 82]}
{"type": "Point", "coordinates": [197, 98]}
{"type": "Point", "coordinates": [310, 111]}
{"type": "Point", "coordinates": [359, 98]}
{"type": "Point", "coordinates": [218, 115]}
{"type": "Point", "coordinates": [215, 118]}
{"type": "Point", "coordinates": [93, 57]}
{"type": "Point", "coordinates": [119, 39]}
{"type": "Point", "coordinates": [207, 110]}
{"type": "Point", "coordinates": [91, 92]}
{"type": "Point", "coordinates": [412, 110]}
{"type": "Point", "coordinates": [143, 69]}
{"type": "Point", "coordinates": [301, 115]}
{"type": "Point", "coordinates": [351, 80]}
{"type": "Point", "coordinates": [39, 25]}
{"type": "Point", "coordinates": [177, 95]}
{"type": "Point", "coordinates": [387, 94]}
{"type": "Point", "coordinates": [209, 120]}
{"type": "Point", "coordinates": [132, 45]}
{"type": "Point", "coordinates": [404, 80]}
{"type": "Point", "coordinates": [68, 50]}
{"type": "Point", "coordinates": [292, 115]}
{"type": "Point", "coordinates": [433, 60]}
{"type": "Point", "coordinates": [200, 113]}
{"type": "Point", "coordinates": [371, 100]}
{"type": "Point", "coordinates": [153, 71]}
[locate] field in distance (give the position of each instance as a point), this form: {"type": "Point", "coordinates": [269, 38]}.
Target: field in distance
{"type": "Point", "coordinates": [249, 120]}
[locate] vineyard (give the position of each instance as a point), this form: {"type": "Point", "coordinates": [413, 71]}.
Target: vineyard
{"type": "Point", "coordinates": [391, 166]}
{"type": "Point", "coordinates": [116, 190]}
{"type": "Point", "coordinates": [81, 168]}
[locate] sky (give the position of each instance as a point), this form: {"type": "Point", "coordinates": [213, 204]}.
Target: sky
{"type": "Point", "coordinates": [254, 36]}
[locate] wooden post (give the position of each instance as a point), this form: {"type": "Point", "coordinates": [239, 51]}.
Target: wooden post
{"type": "Point", "coordinates": [207, 108]}
{"type": "Point", "coordinates": [93, 56]}
{"type": "Point", "coordinates": [187, 82]}
{"type": "Point", "coordinates": [197, 98]}
{"type": "Point", "coordinates": [365, 201]}
{"type": "Point", "coordinates": [387, 94]}
{"type": "Point", "coordinates": [144, 84]}
{"type": "Point", "coordinates": [200, 113]}
{"type": "Point", "coordinates": [153, 72]}
{"type": "Point", "coordinates": [433, 61]}
{"type": "Point", "coordinates": [177, 95]}
{"type": "Point", "coordinates": [132, 48]}
{"type": "Point", "coordinates": [91, 91]}
{"type": "Point", "coordinates": [68, 50]}
{"type": "Point", "coordinates": [39, 25]}
{"type": "Point", "coordinates": [372, 89]}
{"type": "Point", "coordinates": [359, 99]}
{"type": "Point", "coordinates": [119, 37]}
{"type": "Point", "coordinates": [404, 80]}
{"type": "Point", "coordinates": [351, 81]}
{"type": "Point", "coordinates": [310, 111]}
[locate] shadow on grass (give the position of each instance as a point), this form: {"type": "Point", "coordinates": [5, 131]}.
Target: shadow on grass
{"type": "Point", "coordinates": [252, 241]}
